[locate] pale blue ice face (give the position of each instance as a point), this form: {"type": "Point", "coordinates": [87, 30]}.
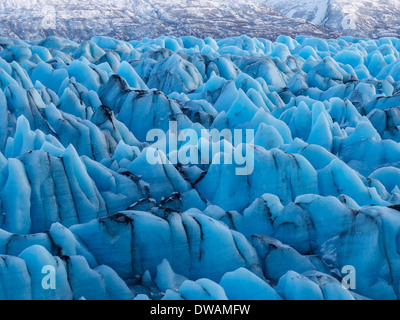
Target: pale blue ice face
{"type": "Point", "coordinates": [118, 168]}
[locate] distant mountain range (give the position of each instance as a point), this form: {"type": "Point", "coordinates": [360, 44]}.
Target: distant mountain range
{"type": "Point", "coordinates": [361, 18]}
{"type": "Point", "coordinates": [135, 19]}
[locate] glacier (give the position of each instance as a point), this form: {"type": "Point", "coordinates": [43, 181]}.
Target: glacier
{"type": "Point", "coordinates": [78, 195]}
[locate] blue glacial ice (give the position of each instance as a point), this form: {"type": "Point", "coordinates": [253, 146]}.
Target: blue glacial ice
{"type": "Point", "coordinates": [80, 198]}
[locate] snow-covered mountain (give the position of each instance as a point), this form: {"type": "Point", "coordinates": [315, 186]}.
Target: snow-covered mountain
{"type": "Point", "coordinates": [362, 18]}
{"type": "Point", "coordinates": [135, 19]}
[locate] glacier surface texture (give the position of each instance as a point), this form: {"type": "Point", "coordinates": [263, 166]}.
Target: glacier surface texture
{"type": "Point", "coordinates": [80, 199]}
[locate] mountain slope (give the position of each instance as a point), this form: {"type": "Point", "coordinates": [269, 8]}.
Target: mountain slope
{"type": "Point", "coordinates": [363, 18]}
{"type": "Point", "coordinates": [134, 19]}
